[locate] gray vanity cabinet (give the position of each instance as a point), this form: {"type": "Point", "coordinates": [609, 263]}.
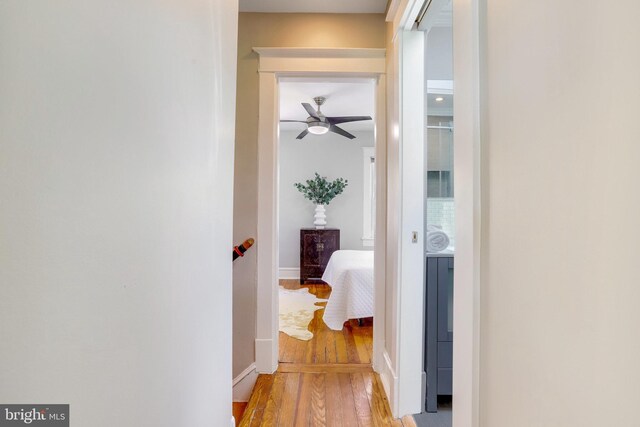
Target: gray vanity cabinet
{"type": "Point", "coordinates": [438, 328]}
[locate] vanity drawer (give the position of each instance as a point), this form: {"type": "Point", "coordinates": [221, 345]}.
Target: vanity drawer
{"type": "Point", "coordinates": [445, 381]}
{"type": "Point", "coordinates": [445, 354]}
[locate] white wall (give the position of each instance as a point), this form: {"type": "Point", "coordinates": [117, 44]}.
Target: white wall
{"type": "Point", "coordinates": [560, 278]}
{"type": "Point", "coordinates": [439, 62]}
{"type": "Point", "coordinates": [116, 154]}
{"type": "Point", "coordinates": [330, 155]}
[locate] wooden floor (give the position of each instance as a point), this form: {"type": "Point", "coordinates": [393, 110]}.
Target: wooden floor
{"type": "Point", "coordinates": [353, 344]}
{"type": "Point", "coordinates": [327, 381]}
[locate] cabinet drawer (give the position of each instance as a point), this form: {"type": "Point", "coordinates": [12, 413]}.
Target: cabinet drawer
{"type": "Point", "coordinates": [445, 354]}
{"type": "Point", "coordinates": [445, 380]}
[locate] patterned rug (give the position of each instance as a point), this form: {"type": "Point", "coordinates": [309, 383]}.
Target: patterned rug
{"type": "Point", "coordinates": [296, 311]}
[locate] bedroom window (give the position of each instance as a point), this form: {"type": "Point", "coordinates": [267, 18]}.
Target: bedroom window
{"type": "Point", "coordinates": [369, 196]}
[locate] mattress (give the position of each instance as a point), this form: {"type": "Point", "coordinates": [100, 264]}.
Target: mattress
{"type": "Point", "coordinates": [350, 275]}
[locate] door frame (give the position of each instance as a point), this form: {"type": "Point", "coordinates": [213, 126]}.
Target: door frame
{"type": "Point", "coordinates": [275, 63]}
{"type": "Point", "coordinates": [467, 50]}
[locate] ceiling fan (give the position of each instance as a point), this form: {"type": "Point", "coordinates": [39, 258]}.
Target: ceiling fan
{"type": "Point", "coordinates": [319, 124]}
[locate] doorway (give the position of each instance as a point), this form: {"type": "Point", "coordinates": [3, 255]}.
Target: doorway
{"type": "Point", "coordinates": [326, 271]}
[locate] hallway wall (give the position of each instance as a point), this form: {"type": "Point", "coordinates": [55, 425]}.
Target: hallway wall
{"type": "Point", "coordinates": [116, 166]}
{"type": "Point", "coordinates": [273, 30]}
{"type": "Point", "coordinates": [560, 214]}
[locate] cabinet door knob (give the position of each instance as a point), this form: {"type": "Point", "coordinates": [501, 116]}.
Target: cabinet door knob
{"type": "Point", "coordinates": [320, 246]}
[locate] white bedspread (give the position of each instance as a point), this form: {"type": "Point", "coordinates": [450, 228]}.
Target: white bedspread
{"type": "Point", "coordinates": [350, 275]}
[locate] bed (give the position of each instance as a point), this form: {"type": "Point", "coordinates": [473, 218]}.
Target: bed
{"type": "Point", "coordinates": [350, 275]}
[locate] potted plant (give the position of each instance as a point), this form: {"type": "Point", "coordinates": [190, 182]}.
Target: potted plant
{"type": "Point", "coordinates": [321, 192]}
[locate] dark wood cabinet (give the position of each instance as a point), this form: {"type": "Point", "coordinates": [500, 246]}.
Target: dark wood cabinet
{"type": "Point", "coordinates": [438, 329]}
{"type": "Point", "coordinates": [316, 247]}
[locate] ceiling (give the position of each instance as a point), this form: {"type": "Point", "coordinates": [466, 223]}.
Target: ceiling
{"type": "Point", "coordinates": [345, 97]}
{"type": "Point", "coordinates": [439, 108]}
{"type": "Point", "coordinates": [314, 6]}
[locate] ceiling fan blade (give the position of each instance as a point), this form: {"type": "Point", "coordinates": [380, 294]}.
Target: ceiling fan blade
{"type": "Point", "coordinates": [312, 112]}
{"type": "Point", "coordinates": [341, 131]}
{"type": "Point", "coordinates": [293, 121]}
{"type": "Point", "coordinates": [347, 119]}
{"type": "Point", "coordinates": [302, 134]}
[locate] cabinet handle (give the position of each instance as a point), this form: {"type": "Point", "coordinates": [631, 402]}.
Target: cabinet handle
{"type": "Point", "coordinates": [320, 246]}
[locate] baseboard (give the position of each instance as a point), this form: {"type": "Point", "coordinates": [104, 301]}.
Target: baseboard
{"type": "Point", "coordinates": [243, 384]}
{"type": "Point", "coordinates": [289, 273]}
{"type": "Point", "coordinates": [390, 383]}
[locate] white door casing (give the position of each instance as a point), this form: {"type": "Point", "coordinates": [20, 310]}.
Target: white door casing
{"type": "Point", "coordinates": [467, 32]}
{"type": "Point", "coordinates": [307, 62]}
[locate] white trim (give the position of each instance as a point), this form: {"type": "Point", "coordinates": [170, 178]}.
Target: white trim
{"type": "Point", "coordinates": [411, 261]}
{"type": "Point", "coordinates": [339, 62]}
{"type": "Point", "coordinates": [266, 360]}
{"type": "Point", "coordinates": [289, 273]}
{"type": "Point", "coordinates": [467, 288]}
{"type": "Point", "coordinates": [317, 52]}
{"type": "Point", "coordinates": [368, 198]}
{"type": "Point", "coordinates": [284, 62]}
{"type": "Point", "coordinates": [444, 87]}
{"type": "Point", "coordinates": [389, 381]}
{"type": "Point", "coordinates": [368, 243]}
{"type": "Point", "coordinates": [243, 384]}
{"type": "Point", "coordinates": [267, 230]}
{"type": "Point", "coordinates": [441, 111]}
{"type": "Point", "coordinates": [402, 14]}
{"type": "Point", "coordinates": [380, 244]}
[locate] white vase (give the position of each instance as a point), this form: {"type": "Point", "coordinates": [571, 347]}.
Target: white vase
{"type": "Point", "coordinates": [320, 217]}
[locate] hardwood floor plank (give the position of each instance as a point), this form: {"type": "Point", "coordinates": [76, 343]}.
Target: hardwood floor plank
{"type": "Point", "coordinates": [408, 421]}
{"type": "Point", "coordinates": [380, 405]}
{"type": "Point", "coordinates": [331, 346]}
{"type": "Point", "coordinates": [321, 341]}
{"type": "Point", "coordinates": [270, 415]}
{"type": "Point", "coordinates": [261, 404]}
{"type": "Point", "coordinates": [377, 412]}
{"type": "Point", "coordinates": [283, 343]}
{"type": "Point", "coordinates": [361, 347]}
{"type": "Point", "coordinates": [318, 401]}
{"type": "Point", "coordinates": [287, 413]}
{"type": "Point", "coordinates": [303, 408]}
{"type": "Point", "coordinates": [352, 353]}
{"type": "Point", "coordinates": [341, 348]}
{"type": "Point", "coordinates": [333, 401]}
{"type": "Point", "coordinates": [361, 400]}
{"type": "Point", "coordinates": [238, 410]}
{"type": "Point", "coordinates": [258, 401]}
{"type": "Point", "coordinates": [349, 416]}
{"type": "Point", "coordinates": [300, 349]}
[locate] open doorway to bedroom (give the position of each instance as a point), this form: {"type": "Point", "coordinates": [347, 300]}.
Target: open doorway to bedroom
{"type": "Point", "coordinates": [326, 220]}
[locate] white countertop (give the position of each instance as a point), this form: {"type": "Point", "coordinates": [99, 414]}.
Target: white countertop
{"type": "Point", "coordinates": [450, 251]}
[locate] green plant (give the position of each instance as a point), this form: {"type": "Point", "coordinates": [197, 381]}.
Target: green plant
{"type": "Point", "coordinates": [320, 191]}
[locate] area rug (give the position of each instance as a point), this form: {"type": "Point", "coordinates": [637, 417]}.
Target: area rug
{"type": "Point", "coordinates": [296, 311]}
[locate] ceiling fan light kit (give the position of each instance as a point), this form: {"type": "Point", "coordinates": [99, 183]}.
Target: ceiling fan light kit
{"type": "Point", "coordinates": [319, 124]}
{"type": "Point", "coordinates": [318, 128]}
